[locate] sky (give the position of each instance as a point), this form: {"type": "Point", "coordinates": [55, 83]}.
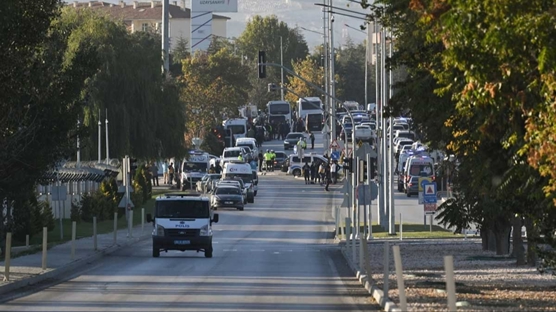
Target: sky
{"type": "Point", "coordinates": [301, 13]}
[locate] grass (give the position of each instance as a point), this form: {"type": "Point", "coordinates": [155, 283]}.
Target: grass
{"type": "Point", "coordinates": [85, 229]}
{"type": "Point", "coordinates": [411, 231]}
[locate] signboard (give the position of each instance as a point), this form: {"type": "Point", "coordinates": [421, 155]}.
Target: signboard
{"type": "Point", "coordinates": [58, 193]}
{"type": "Point", "coordinates": [122, 203]}
{"type": "Point", "coordinates": [366, 193]}
{"type": "Point", "coordinates": [214, 5]}
{"type": "Point", "coordinates": [335, 155]}
{"type": "Point", "coordinates": [423, 180]}
{"type": "Point", "coordinates": [334, 144]}
{"type": "Point", "coordinates": [429, 208]}
{"type": "Point", "coordinates": [429, 193]}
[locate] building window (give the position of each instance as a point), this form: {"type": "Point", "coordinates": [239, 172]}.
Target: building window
{"type": "Point", "coordinates": [145, 27]}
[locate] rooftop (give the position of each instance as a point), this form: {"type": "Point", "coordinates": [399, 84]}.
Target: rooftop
{"type": "Point", "coordinates": [138, 10]}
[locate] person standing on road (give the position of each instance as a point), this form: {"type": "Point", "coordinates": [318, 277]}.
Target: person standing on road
{"type": "Point", "coordinates": [268, 160]}
{"type": "Point", "coordinates": [171, 174]}
{"type": "Point", "coordinates": [306, 172]}
{"type": "Point", "coordinates": [165, 172]}
{"type": "Point", "coordinates": [313, 172]}
{"type": "Point", "coordinates": [154, 173]}
{"type": "Point", "coordinates": [260, 159]}
{"type": "Point", "coordinates": [327, 176]}
{"type": "Point", "coordinates": [312, 138]}
{"type": "Point", "coordinates": [272, 159]}
{"type": "Point", "coordinates": [334, 171]}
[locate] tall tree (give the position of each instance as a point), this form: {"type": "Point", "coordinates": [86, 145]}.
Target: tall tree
{"type": "Point", "coordinates": [263, 33]}
{"type": "Point", "coordinates": [310, 71]}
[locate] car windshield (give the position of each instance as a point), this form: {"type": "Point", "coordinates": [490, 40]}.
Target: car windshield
{"type": "Point", "coordinates": [194, 167]}
{"type": "Point", "coordinates": [232, 153]}
{"type": "Point", "coordinates": [227, 191]}
{"type": "Point", "coordinates": [294, 136]}
{"type": "Point", "coordinates": [245, 177]}
{"type": "Point", "coordinates": [237, 129]}
{"type": "Point", "coordinates": [422, 170]}
{"type": "Point", "coordinates": [182, 209]}
{"type": "Point", "coordinates": [247, 146]}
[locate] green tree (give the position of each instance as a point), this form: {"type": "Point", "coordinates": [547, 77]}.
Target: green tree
{"type": "Point", "coordinates": [309, 70]}
{"type": "Point", "coordinates": [350, 68]}
{"type": "Point", "coordinates": [263, 33]}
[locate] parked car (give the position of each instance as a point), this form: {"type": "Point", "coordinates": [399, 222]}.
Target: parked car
{"type": "Point", "coordinates": [227, 196]}
{"type": "Point", "coordinates": [292, 138]}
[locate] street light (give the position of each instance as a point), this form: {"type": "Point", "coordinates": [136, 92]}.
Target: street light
{"type": "Point", "coordinates": [366, 59]}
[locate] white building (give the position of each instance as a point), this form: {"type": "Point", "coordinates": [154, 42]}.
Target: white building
{"type": "Point", "coordinates": [147, 16]}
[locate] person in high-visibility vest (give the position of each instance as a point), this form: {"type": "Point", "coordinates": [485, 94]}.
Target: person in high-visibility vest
{"type": "Point", "coordinates": [240, 157]}
{"type": "Point", "coordinates": [268, 160]}
{"type": "Point", "coordinates": [272, 159]}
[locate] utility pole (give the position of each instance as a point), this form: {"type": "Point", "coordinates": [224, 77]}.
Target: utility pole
{"type": "Point", "coordinates": [99, 138]}
{"type": "Point", "coordinates": [326, 77]}
{"type": "Point", "coordinates": [391, 151]}
{"type": "Point", "coordinates": [281, 69]}
{"type": "Point", "coordinates": [165, 37]}
{"type": "Point", "coordinates": [107, 150]}
{"type": "Point", "coordinates": [332, 90]}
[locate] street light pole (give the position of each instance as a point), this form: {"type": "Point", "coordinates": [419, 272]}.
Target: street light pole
{"type": "Point", "coordinates": [165, 37]}
{"type": "Point", "coordinates": [326, 78]}
{"type": "Point", "coordinates": [99, 138]}
{"type": "Point", "coordinates": [332, 104]}
{"type": "Point", "coordinates": [281, 70]}
{"type": "Point", "coordinates": [391, 151]}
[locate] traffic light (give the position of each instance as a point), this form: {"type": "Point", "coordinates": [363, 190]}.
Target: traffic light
{"type": "Point", "coordinates": [362, 170]}
{"type": "Point", "coordinates": [373, 168]}
{"type": "Point", "coordinates": [262, 68]}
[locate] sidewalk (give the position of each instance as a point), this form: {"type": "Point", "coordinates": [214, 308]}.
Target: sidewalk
{"type": "Point", "coordinates": [27, 270]}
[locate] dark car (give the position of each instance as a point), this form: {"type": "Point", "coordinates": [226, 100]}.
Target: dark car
{"type": "Point", "coordinates": [291, 139]}
{"type": "Point", "coordinates": [280, 159]}
{"type": "Point", "coordinates": [227, 196]}
{"type": "Point", "coordinates": [412, 186]}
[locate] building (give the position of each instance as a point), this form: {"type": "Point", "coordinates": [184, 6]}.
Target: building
{"type": "Point", "coordinates": [147, 16]}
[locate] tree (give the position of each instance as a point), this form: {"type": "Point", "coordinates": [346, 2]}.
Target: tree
{"type": "Point", "coordinates": [309, 70]}
{"type": "Point", "coordinates": [350, 67]}
{"type": "Point", "coordinates": [215, 86]}
{"type": "Point", "coordinates": [263, 33]}
{"type": "Point", "coordinates": [180, 52]}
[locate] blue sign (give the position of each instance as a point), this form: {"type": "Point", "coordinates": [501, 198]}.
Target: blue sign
{"type": "Point", "coordinates": [335, 155]}
{"type": "Point", "coordinates": [429, 193]}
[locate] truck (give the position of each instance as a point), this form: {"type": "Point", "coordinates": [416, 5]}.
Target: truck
{"type": "Point", "coordinates": [182, 222]}
{"type": "Point", "coordinates": [194, 168]}
{"type": "Point", "coordinates": [238, 127]}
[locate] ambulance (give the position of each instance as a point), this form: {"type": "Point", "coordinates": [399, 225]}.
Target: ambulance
{"type": "Point", "coordinates": [239, 169]}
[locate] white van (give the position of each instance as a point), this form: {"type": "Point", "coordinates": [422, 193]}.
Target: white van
{"type": "Point", "coordinates": [242, 170]}
{"type": "Point", "coordinates": [248, 142]}
{"type": "Point", "coordinates": [417, 166]}
{"type": "Point", "coordinates": [237, 125]}
{"type": "Point", "coordinates": [182, 222]}
{"type": "Point", "coordinates": [194, 169]}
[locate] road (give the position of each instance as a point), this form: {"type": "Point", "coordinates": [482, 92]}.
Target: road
{"type": "Point", "coordinates": [277, 255]}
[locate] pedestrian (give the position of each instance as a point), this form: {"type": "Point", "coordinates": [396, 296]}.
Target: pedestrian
{"type": "Point", "coordinates": [154, 173]}
{"type": "Point", "coordinates": [260, 159]}
{"type": "Point", "coordinates": [218, 168]}
{"type": "Point", "coordinates": [165, 172]}
{"type": "Point", "coordinates": [312, 137]}
{"type": "Point", "coordinates": [327, 177]}
{"type": "Point", "coordinates": [313, 172]}
{"type": "Point", "coordinates": [307, 172]}
{"type": "Point", "coordinates": [171, 173]}
{"type": "Point", "coordinates": [322, 171]}
{"type": "Point", "coordinates": [334, 172]}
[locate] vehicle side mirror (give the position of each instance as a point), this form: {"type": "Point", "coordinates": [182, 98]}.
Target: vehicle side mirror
{"type": "Point", "coordinates": [149, 218]}
{"type": "Point", "coordinates": [215, 218]}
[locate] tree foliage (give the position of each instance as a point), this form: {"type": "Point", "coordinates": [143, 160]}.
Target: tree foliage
{"type": "Point", "coordinates": [309, 70]}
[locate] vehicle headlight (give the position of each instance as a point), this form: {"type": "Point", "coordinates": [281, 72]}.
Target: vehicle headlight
{"type": "Point", "coordinates": [285, 142]}
{"type": "Point", "coordinates": [159, 230]}
{"type": "Point", "coordinates": [205, 231]}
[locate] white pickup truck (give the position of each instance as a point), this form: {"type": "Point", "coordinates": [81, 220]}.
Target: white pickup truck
{"type": "Point", "coordinates": [364, 133]}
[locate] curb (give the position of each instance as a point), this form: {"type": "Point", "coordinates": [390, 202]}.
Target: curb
{"type": "Point", "coordinates": [68, 267]}
{"type": "Point", "coordinates": [370, 286]}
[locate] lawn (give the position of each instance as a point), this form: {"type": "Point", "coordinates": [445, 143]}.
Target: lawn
{"type": "Point", "coordinates": [85, 229]}
{"type": "Point", "coordinates": [412, 231]}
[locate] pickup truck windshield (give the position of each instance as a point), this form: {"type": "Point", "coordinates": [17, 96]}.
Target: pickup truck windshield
{"type": "Point", "coordinates": [246, 177]}
{"type": "Point", "coordinates": [182, 209]}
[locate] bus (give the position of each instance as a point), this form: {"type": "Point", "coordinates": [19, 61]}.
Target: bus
{"type": "Point", "coordinates": [279, 111]}
{"type": "Point", "coordinates": [309, 105]}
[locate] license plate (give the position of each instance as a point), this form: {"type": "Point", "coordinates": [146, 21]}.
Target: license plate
{"type": "Point", "coordinates": [182, 242]}
{"type": "Point", "coordinates": [229, 203]}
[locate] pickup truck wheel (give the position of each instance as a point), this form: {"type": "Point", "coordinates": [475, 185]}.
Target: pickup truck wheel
{"type": "Point", "coordinates": [208, 252]}
{"type": "Point", "coordinates": [156, 252]}
{"type": "Point", "coordinates": [297, 173]}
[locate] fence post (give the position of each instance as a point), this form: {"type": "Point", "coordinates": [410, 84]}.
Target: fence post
{"type": "Point", "coordinates": [337, 221]}
{"type": "Point", "coordinates": [8, 253]}
{"type": "Point", "coordinates": [450, 283]}
{"type": "Point", "coordinates": [44, 246]}
{"type": "Point", "coordinates": [27, 240]}
{"type": "Point", "coordinates": [401, 227]}
{"type": "Point", "coordinates": [386, 269]}
{"type": "Point", "coordinates": [399, 275]}
{"type": "Point", "coordinates": [73, 234]}
{"type": "Point", "coordinates": [361, 255]}
{"type": "Point", "coordinates": [115, 227]}
{"type": "Point", "coordinates": [95, 247]}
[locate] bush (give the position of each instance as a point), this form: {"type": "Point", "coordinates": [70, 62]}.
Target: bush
{"type": "Point", "coordinates": [75, 212]}
{"type": "Point", "coordinates": [21, 223]}
{"type": "Point", "coordinates": [141, 184]}
{"type": "Point", "coordinates": [97, 205]}
{"type": "Point", "coordinates": [47, 216]}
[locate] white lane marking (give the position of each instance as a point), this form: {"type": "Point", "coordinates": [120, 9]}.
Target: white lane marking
{"type": "Point", "coordinates": [257, 250]}
{"type": "Point", "coordinates": [276, 252]}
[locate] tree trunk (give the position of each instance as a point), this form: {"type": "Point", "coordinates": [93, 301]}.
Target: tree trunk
{"type": "Point", "coordinates": [518, 251]}
{"type": "Point", "coordinates": [502, 240]}
{"type": "Point", "coordinates": [491, 240]}
{"type": "Point", "coordinates": [532, 235]}
{"type": "Point", "coordinates": [484, 239]}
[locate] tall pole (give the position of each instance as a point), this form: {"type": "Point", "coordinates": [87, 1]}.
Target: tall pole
{"type": "Point", "coordinates": [332, 76]}
{"type": "Point", "coordinates": [367, 65]}
{"type": "Point", "coordinates": [381, 127]}
{"type": "Point", "coordinates": [326, 77]}
{"type": "Point", "coordinates": [165, 37]}
{"type": "Point", "coordinates": [391, 151]}
{"type": "Point", "coordinates": [281, 69]}
{"type": "Point", "coordinates": [99, 138]}
{"type": "Point", "coordinates": [78, 147]}
{"type": "Point", "coordinates": [107, 149]}
{"type": "Point", "coordinates": [385, 126]}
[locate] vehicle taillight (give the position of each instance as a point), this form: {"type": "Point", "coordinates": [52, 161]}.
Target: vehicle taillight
{"type": "Point", "coordinates": [433, 178]}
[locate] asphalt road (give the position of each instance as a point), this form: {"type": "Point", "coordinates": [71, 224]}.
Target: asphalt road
{"type": "Point", "coordinates": [277, 255]}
